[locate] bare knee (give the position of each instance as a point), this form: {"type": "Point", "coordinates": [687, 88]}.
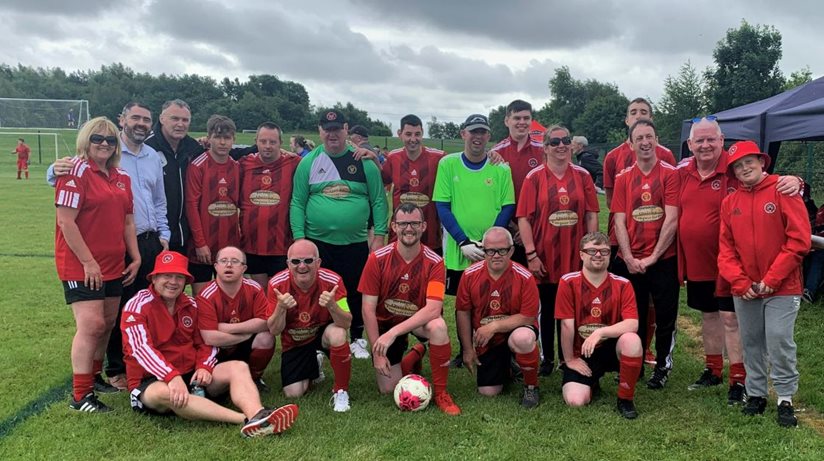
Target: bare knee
{"type": "Point", "coordinates": [629, 344]}
{"type": "Point", "coordinates": [576, 400]}
{"type": "Point", "coordinates": [522, 341]}
{"type": "Point", "coordinates": [489, 391]}
{"type": "Point", "coordinates": [295, 390]}
{"type": "Point", "coordinates": [730, 321]}
{"type": "Point", "coordinates": [436, 331]}
{"type": "Point", "coordinates": [263, 340]}
{"type": "Point", "coordinates": [334, 335]}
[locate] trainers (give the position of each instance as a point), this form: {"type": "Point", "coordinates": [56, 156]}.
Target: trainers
{"type": "Point", "coordinates": [457, 362]}
{"type": "Point", "coordinates": [358, 348]}
{"type": "Point", "coordinates": [119, 381]}
{"type": "Point", "coordinates": [707, 379]}
{"type": "Point", "coordinates": [267, 422]}
{"type": "Point", "coordinates": [807, 296]}
{"type": "Point", "coordinates": [546, 368]}
{"type": "Point", "coordinates": [101, 386]}
{"type": "Point", "coordinates": [444, 401]}
{"type": "Point", "coordinates": [659, 378]}
{"type": "Point", "coordinates": [261, 385]}
{"type": "Point", "coordinates": [340, 401]}
{"type": "Point", "coordinates": [649, 358]}
{"type": "Point", "coordinates": [89, 404]}
{"type": "Point", "coordinates": [627, 408]}
{"type": "Point", "coordinates": [737, 394]}
{"type": "Point", "coordinates": [754, 406]}
{"type": "Point", "coordinates": [786, 415]}
{"type": "Point", "coordinates": [321, 375]}
{"type": "Point", "coordinates": [531, 398]}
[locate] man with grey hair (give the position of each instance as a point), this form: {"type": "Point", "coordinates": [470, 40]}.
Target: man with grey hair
{"type": "Point", "coordinates": [588, 159]}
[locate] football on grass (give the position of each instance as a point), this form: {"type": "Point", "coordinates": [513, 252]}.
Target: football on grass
{"type": "Point", "coordinates": [412, 393]}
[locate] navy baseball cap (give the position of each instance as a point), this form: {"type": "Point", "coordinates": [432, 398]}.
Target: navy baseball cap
{"type": "Point", "coordinates": [332, 120]}
{"type": "Point", "coordinates": [476, 121]}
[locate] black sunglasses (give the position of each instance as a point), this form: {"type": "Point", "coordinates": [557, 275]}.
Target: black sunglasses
{"type": "Point", "coordinates": [599, 251]}
{"type": "Point", "coordinates": [555, 142]}
{"type": "Point", "coordinates": [498, 251]}
{"type": "Point", "coordinates": [99, 138]}
{"type": "Point", "coordinates": [297, 261]}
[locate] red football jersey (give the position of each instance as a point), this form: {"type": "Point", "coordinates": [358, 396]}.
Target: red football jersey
{"type": "Point", "coordinates": [593, 307]}
{"type": "Point", "coordinates": [515, 292]}
{"type": "Point", "coordinates": [157, 343]}
{"type": "Point", "coordinates": [643, 199]}
{"type": "Point", "coordinates": [265, 193]}
{"type": "Point", "coordinates": [215, 306]}
{"type": "Point", "coordinates": [212, 193]}
{"type": "Point", "coordinates": [623, 157]}
{"type": "Point", "coordinates": [521, 162]}
{"type": "Point", "coordinates": [402, 288]}
{"type": "Point", "coordinates": [556, 209]}
{"type": "Point", "coordinates": [102, 203]}
{"type": "Point", "coordinates": [22, 153]}
{"type": "Point", "coordinates": [414, 182]}
{"type": "Point", "coordinates": [306, 320]}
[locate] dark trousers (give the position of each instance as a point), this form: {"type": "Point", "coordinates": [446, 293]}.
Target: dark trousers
{"type": "Point", "coordinates": [347, 261]}
{"type": "Point", "coordinates": [148, 245]}
{"type": "Point", "coordinates": [661, 281]}
{"type": "Point", "coordinates": [549, 326]}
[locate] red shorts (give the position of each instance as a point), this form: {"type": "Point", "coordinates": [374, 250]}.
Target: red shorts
{"type": "Point", "coordinates": [22, 164]}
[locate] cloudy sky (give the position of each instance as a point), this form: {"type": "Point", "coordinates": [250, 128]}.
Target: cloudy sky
{"type": "Point", "coordinates": [434, 58]}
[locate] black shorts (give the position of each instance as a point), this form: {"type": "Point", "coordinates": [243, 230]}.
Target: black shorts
{"type": "Point", "coordinates": [134, 396]}
{"type": "Point", "coordinates": [701, 296]}
{"type": "Point", "coordinates": [495, 368]}
{"type": "Point", "coordinates": [602, 361]}
{"type": "Point", "coordinates": [201, 272]}
{"type": "Point", "coordinates": [264, 264]}
{"type": "Point", "coordinates": [75, 291]}
{"type": "Point", "coordinates": [300, 363]}
{"type": "Point", "coordinates": [240, 351]}
{"type": "Point", "coordinates": [453, 279]}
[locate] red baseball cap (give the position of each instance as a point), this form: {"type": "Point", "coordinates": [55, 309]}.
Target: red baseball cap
{"type": "Point", "coordinates": [742, 149]}
{"type": "Point", "coordinates": [171, 262]}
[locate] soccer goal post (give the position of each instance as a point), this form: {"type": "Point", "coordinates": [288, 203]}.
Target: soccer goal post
{"type": "Point", "coordinates": [39, 142]}
{"type": "Point", "coordinates": [50, 114]}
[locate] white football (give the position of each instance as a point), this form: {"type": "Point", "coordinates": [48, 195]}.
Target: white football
{"type": "Point", "coordinates": [412, 393]}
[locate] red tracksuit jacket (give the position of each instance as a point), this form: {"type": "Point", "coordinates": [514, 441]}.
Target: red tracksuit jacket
{"type": "Point", "coordinates": [764, 236]}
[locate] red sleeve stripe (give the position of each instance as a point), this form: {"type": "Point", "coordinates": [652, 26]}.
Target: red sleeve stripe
{"type": "Point", "coordinates": [144, 354]}
{"type": "Point", "coordinates": [68, 199]}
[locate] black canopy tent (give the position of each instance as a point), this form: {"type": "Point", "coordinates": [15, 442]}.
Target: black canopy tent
{"type": "Point", "coordinates": [794, 115]}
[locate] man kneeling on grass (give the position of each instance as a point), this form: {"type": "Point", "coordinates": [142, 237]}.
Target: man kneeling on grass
{"type": "Point", "coordinates": [599, 321]}
{"type": "Point", "coordinates": [165, 354]}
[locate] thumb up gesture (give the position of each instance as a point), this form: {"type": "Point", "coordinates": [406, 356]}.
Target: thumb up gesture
{"type": "Point", "coordinates": [285, 300]}
{"type": "Point", "coordinates": [327, 298]}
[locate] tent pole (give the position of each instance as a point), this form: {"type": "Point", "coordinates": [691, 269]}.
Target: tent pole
{"type": "Point", "coordinates": [808, 176]}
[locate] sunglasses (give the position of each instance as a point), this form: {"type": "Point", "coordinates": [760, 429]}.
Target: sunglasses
{"type": "Point", "coordinates": [597, 251]}
{"type": "Point", "coordinates": [555, 142]}
{"type": "Point", "coordinates": [297, 261]}
{"type": "Point", "coordinates": [709, 118]}
{"type": "Point", "coordinates": [99, 138]}
{"type": "Point", "coordinates": [498, 251]}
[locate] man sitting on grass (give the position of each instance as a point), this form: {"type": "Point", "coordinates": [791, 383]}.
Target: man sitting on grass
{"type": "Point", "coordinates": [165, 354]}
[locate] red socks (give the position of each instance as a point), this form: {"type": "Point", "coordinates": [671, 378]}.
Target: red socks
{"type": "Point", "coordinates": [258, 361]}
{"type": "Point", "coordinates": [737, 373]}
{"type": "Point", "coordinates": [439, 355]}
{"type": "Point", "coordinates": [341, 360]}
{"type": "Point", "coordinates": [628, 373]}
{"type": "Point", "coordinates": [82, 384]}
{"type": "Point", "coordinates": [411, 362]}
{"type": "Point", "coordinates": [715, 363]}
{"type": "Point", "coordinates": [529, 366]}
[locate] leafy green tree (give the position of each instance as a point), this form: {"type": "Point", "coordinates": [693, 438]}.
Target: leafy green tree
{"type": "Point", "coordinates": [434, 128]}
{"type": "Point", "coordinates": [683, 99]}
{"type": "Point", "coordinates": [746, 67]}
{"type": "Point", "coordinates": [496, 122]}
{"type": "Point", "coordinates": [451, 130]}
{"type": "Point", "coordinates": [798, 78]}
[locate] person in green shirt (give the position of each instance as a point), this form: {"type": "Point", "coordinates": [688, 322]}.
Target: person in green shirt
{"type": "Point", "coordinates": [334, 192]}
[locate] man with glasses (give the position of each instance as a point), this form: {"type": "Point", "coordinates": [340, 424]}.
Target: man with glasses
{"type": "Point", "coordinates": [497, 309]}
{"type": "Point", "coordinates": [308, 308]}
{"type": "Point", "coordinates": [557, 206]}
{"type": "Point", "coordinates": [403, 289]}
{"type": "Point", "coordinates": [599, 322]}
{"type": "Point", "coordinates": [232, 316]}
{"type": "Point", "coordinates": [645, 206]}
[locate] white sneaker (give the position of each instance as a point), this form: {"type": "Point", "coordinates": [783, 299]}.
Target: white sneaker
{"type": "Point", "coordinates": [321, 375]}
{"type": "Point", "coordinates": [340, 401]}
{"type": "Point", "coordinates": [358, 348]}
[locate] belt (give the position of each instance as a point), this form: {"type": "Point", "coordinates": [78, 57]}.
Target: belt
{"type": "Point", "coordinates": [148, 235]}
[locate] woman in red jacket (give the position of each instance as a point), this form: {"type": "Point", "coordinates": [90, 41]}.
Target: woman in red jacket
{"type": "Point", "coordinates": [764, 237]}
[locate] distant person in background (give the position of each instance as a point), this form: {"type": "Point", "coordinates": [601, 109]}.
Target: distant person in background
{"type": "Point", "coordinates": [95, 229]}
{"type": "Point", "coordinates": [815, 263]}
{"type": "Point", "coordinates": [70, 121]}
{"type": "Point", "coordinates": [22, 150]}
{"type": "Point", "coordinates": [588, 159]}
{"type": "Point", "coordinates": [301, 145]}
{"type": "Point", "coordinates": [359, 136]}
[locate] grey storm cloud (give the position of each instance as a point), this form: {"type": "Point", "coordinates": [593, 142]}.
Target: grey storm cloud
{"type": "Point", "coordinates": [56, 7]}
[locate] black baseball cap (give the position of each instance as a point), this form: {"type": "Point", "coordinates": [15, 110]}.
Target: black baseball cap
{"type": "Point", "coordinates": [360, 130]}
{"type": "Point", "coordinates": [332, 120]}
{"type": "Point", "coordinates": [476, 121]}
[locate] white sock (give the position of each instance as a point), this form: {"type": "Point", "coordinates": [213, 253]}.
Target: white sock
{"type": "Point", "coordinates": [785, 399]}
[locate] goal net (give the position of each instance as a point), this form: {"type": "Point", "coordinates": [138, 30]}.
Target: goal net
{"type": "Point", "coordinates": [43, 113]}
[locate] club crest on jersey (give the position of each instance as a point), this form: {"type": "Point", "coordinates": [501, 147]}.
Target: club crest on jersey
{"type": "Point", "coordinates": [488, 182]}
{"type": "Point", "coordinates": [304, 317]}
{"type": "Point", "coordinates": [352, 169]}
{"type": "Point", "coordinates": [532, 163]}
{"type": "Point", "coordinates": [121, 186]}
{"type": "Point", "coordinates": [414, 182]}
{"type": "Point", "coordinates": [564, 199]}
{"type": "Point", "coordinates": [716, 185]}
{"type": "Point", "coordinates": [769, 207]}
{"type": "Point", "coordinates": [223, 191]}
{"type": "Point", "coordinates": [187, 321]}
{"type": "Point", "coordinates": [646, 197]}
{"type": "Point", "coordinates": [403, 288]}
{"type": "Point", "coordinates": [595, 311]}
{"type": "Point", "coordinates": [266, 180]}
{"type": "Point", "coordinates": [495, 305]}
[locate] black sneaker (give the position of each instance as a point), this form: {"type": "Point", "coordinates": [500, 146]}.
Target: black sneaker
{"type": "Point", "coordinates": [531, 398]}
{"type": "Point", "coordinates": [627, 408]}
{"type": "Point", "coordinates": [267, 422]}
{"type": "Point", "coordinates": [659, 378]}
{"type": "Point", "coordinates": [457, 362]}
{"type": "Point", "coordinates": [89, 404]}
{"type": "Point", "coordinates": [737, 395]}
{"type": "Point", "coordinates": [546, 368]}
{"type": "Point", "coordinates": [101, 386]}
{"type": "Point", "coordinates": [261, 385]}
{"type": "Point", "coordinates": [754, 406]}
{"type": "Point", "coordinates": [786, 415]}
{"type": "Point", "coordinates": [707, 379]}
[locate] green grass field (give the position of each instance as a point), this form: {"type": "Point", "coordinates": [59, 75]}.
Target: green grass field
{"type": "Point", "coordinates": [674, 424]}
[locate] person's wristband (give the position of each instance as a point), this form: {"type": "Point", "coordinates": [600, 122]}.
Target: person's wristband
{"type": "Point", "coordinates": [533, 252]}
{"type": "Point", "coordinates": [530, 259]}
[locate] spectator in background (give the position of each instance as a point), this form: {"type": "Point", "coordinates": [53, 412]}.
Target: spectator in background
{"type": "Point", "coordinates": [815, 262]}
{"type": "Point", "coordinates": [301, 145]}
{"type": "Point", "coordinates": [588, 159]}
{"type": "Point", "coordinates": [359, 136]}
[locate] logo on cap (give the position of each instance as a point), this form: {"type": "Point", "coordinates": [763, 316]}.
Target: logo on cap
{"type": "Point", "coordinates": [331, 116]}
{"type": "Point", "coordinates": [167, 259]}
{"type": "Point", "coordinates": [732, 149]}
